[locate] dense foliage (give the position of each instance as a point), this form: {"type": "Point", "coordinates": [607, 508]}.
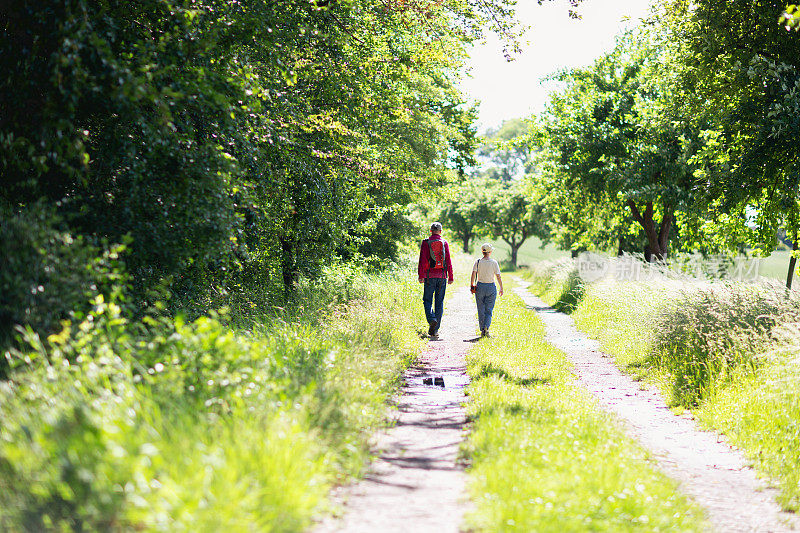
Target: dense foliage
{"type": "Point", "coordinates": [686, 132]}
{"type": "Point", "coordinates": [225, 142]}
{"type": "Point", "coordinates": [610, 142]}
{"type": "Point", "coordinates": [742, 88]}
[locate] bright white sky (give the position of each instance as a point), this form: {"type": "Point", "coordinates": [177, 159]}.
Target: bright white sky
{"type": "Point", "coordinates": [554, 41]}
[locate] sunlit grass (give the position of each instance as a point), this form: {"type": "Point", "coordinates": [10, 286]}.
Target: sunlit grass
{"type": "Point", "coordinates": [200, 427]}
{"type": "Point", "coordinates": [726, 350]}
{"type": "Point", "coordinates": [543, 456]}
{"type": "Point", "coordinates": [761, 414]}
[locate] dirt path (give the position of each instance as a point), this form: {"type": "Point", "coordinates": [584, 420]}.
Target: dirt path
{"type": "Point", "coordinates": [415, 483]}
{"type": "Point", "coordinates": [713, 474]}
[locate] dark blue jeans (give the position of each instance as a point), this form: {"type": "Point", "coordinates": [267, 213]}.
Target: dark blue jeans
{"type": "Point", "coordinates": [433, 299]}
{"type": "Point", "coordinates": [485, 296]}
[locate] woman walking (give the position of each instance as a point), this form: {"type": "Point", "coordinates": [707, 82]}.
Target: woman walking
{"type": "Point", "coordinates": [484, 272]}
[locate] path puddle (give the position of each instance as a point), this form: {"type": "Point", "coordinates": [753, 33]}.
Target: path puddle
{"type": "Point", "coordinates": [415, 483]}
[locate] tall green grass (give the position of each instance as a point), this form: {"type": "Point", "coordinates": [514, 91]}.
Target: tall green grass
{"type": "Point", "coordinates": [173, 426]}
{"type": "Point", "coordinates": [543, 456]}
{"type": "Point", "coordinates": [726, 350]}
{"type": "Point", "coordinates": [558, 283]}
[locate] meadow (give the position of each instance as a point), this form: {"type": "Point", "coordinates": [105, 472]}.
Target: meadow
{"type": "Point", "coordinates": [529, 253]}
{"type": "Point", "coordinates": [773, 267]}
{"type": "Point", "coordinates": [726, 351]}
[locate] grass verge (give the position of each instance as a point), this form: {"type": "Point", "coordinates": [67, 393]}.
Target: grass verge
{"type": "Point", "coordinates": [173, 426]}
{"type": "Point", "coordinates": [727, 351]}
{"type": "Point", "coordinates": [543, 456]}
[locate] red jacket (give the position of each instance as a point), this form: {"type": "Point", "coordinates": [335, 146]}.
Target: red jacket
{"type": "Point", "coordinates": [424, 270]}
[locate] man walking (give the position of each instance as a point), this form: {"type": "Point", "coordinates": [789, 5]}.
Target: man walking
{"type": "Point", "coordinates": [436, 272]}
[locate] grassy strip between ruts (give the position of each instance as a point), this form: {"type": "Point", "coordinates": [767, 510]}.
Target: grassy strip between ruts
{"type": "Point", "coordinates": [197, 426]}
{"type": "Point", "coordinates": [543, 456]}
{"type": "Point", "coordinates": [726, 350]}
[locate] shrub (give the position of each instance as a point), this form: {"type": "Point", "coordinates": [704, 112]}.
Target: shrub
{"type": "Point", "coordinates": [47, 272]}
{"type": "Point", "coordinates": [714, 332]}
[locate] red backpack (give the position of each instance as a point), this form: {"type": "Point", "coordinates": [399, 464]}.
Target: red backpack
{"type": "Point", "coordinates": [435, 254]}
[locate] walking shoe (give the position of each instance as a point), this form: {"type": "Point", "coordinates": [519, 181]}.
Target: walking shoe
{"type": "Point", "coordinates": [483, 333]}
{"type": "Point", "coordinates": [432, 328]}
{"type": "Point", "coordinates": [486, 333]}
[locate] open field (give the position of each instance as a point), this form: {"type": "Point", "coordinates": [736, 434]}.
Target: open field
{"type": "Point", "coordinates": [530, 252]}
{"type": "Point", "coordinates": [774, 267]}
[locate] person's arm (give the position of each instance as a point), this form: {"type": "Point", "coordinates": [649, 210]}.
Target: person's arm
{"type": "Point", "coordinates": [499, 279]}
{"type": "Point", "coordinates": [448, 263]}
{"type": "Point", "coordinates": [472, 279]}
{"type": "Point", "coordinates": [422, 266]}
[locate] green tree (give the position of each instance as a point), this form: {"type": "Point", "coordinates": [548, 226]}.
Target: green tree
{"type": "Point", "coordinates": [504, 156]}
{"type": "Point", "coordinates": [513, 217]}
{"type": "Point", "coordinates": [737, 69]}
{"type": "Point", "coordinates": [465, 210]}
{"type": "Point", "coordinates": [572, 224]}
{"type": "Point", "coordinates": [611, 142]}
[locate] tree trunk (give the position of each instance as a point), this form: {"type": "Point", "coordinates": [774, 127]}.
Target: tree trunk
{"type": "Point", "coordinates": [465, 239]}
{"type": "Point", "coordinates": [792, 263]}
{"type": "Point", "coordinates": [515, 246]}
{"type": "Point", "coordinates": [657, 237]}
{"type": "Point", "coordinates": [620, 248]}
